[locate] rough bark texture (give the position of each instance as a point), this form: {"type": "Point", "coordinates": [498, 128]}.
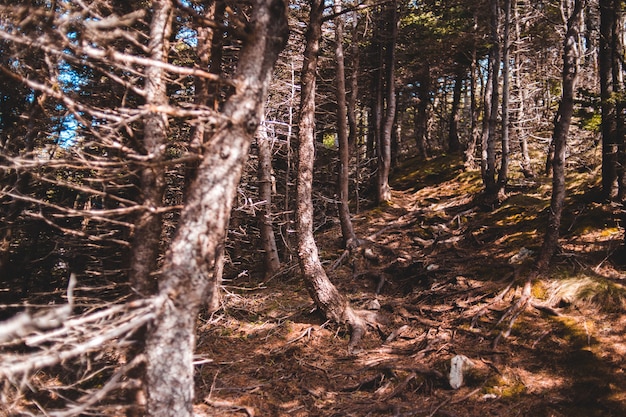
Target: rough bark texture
{"type": "Point", "coordinates": [266, 183]}
{"type": "Point", "coordinates": [326, 296]}
{"type": "Point", "coordinates": [152, 182]}
{"type": "Point", "coordinates": [559, 138]}
{"type": "Point", "coordinates": [349, 237]}
{"type": "Point", "coordinates": [190, 263]}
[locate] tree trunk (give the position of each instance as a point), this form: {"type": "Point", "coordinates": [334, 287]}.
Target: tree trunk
{"type": "Point", "coordinates": [503, 174]}
{"type": "Point", "coordinates": [421, 114]}
{"type": "Point", "coordinates": [354, 86]}
{"type": "Point", "coordinates": [189, 267]}
{"type": "Point", "coordinates": [347, 231]}
{"type": "Point", "coordinates": [484, 137]}
{"type": "Point", "coordinates": [266, 184]}
{"type": "Point", "coordinates": [492, 121]}
{"type": "Point", "coordinates": [470, 150]}
{"type": "Point", "coordinates": [353, 131]}
{"type": "Point", "coordinates": [384, 149]}
{"type": "Point", "coordinates": [454, 144]}
{"type": "Point", "coordinates": [606, 56]}
{"type": "Point", "coordinates": [559, 137]}
{"type": "Point", "coordinates": [522, 91]}
{"type": "Point", "coordinates": [326, 296]}
{"type": "Point", "coordinates": [147, 237]}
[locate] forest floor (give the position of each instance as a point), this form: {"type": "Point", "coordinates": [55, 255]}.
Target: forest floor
{"type": "Point", "coordinates": [439, 272]}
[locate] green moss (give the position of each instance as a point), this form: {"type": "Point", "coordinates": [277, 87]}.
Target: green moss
{"type": "Point", "coordinates": [539, 290]}
{"type": "Point", "coordinates": [504, 386]}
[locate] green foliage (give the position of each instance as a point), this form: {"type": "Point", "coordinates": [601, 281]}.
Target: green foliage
{"type": "Point", "coordinates": [329, 140]}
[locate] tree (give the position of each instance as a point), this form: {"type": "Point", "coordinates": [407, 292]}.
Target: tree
{"type": "Point", "coordinates": [559, 137]}
{"type": "Point", "coordinates": [347, 230]}
{"type": "Point", "coordinates": [146, 244]}
{"type": "Point", "coordinates": [266, 185]}
{"type": "Point", "coordinates": [189, 266]}
{"type": "Point", "coordinates": [388, 94]}
{"type": "Point", "coordinates": [503, 174]}
{"type": "Point", "coordinates": [608, 63]}
{"type": "Point", "coordinates": [326, 296]}
{"type": "Point", "coordinates": [489, 128]}
{"type": "Point", "coordinates": [454, 144]}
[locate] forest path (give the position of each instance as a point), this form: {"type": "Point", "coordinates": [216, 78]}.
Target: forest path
{"type": "Point", "coordinates": [438, 271]}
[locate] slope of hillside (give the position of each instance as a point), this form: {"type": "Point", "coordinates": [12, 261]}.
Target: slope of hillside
{"type": "Point", "coordinates": [438, 275]}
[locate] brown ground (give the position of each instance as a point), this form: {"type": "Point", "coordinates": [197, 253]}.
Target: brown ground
{"type": "Point", "coordinates": [446, 274]}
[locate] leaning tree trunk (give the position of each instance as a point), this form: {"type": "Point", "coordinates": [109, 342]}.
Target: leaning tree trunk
{"type": "Point", "coordinates": [559, 137]}
{"type": "Point", "coordinates": [326, 296]}
{"type": "Point", "coordinates": [188, 270]}
{"type": "Point", "coordinates": [347, 231]}
{"type": "Point", "coordinates": [147, 235]}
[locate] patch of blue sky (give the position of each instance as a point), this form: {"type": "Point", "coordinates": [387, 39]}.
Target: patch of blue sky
{"type": "Point", "coordinates": [69, 79]}
{"type": "Point", "coordinates": [68, 133]}
{"type": "Point", "coordinates": [189, 36]}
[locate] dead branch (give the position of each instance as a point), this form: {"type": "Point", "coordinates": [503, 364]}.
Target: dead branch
{"type": "Point", "coordinates": [25, 323]}
{"type": "Point", "coordinates": [77, 337]}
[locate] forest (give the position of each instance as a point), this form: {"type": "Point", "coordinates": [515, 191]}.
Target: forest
{"type": "Point", "coordinates": [312, 208]}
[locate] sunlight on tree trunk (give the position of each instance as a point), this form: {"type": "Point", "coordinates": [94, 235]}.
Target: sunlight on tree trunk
{"type": "Point", "coordinates": [384, 146]}
{"type": "Point", "coordinates": [327, 298]}
{"type": "Point", "coordinates": [189, 267]}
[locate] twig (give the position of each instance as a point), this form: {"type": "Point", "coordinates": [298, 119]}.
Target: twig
{"type": "Point", "coordinates": [113, 383]}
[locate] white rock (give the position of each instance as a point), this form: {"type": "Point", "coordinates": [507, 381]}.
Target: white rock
{"type": "Point", "coordinates": [458, 366]}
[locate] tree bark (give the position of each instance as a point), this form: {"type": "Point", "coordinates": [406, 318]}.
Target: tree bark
{"type": "Point", "coordinates": [503, 174]}
{"type": "Point", "coordinates": [606, 56]}
{"type": "Point", "coordinates": [266, 184]}
{"type": "Point", "coordinates": [326, 296]}
{"type": "Point", "coordinates": [484, 137]}
{"type": "Point", "coordinates": [421, 114]}
{"type": "Point", "coordinates": [189, 267]}
{"type": "Point", "coordinates": [454, 144]}
{"type": "Point", "coordinates": [148, 227]}
{"type": "Point", "coordinates": [384, 148]}
{"type": "Point", "coordinates": [559, 137]}
{"type": "Point", "coordinates": [522, 90]}
{"type": "Point", "coordinates": [492, 121]}
{"type": "Point", "coordinates": [470, 150]}
{"type": "Point", "coordinates": [347, 230]}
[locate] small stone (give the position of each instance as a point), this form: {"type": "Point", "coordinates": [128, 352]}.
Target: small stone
{"type": "Point", "coordinates": [432, 267]}
{"type": "Point", "coordinates": [458, 366]}
{"type": "Point", "coordinates": [373, 305]}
